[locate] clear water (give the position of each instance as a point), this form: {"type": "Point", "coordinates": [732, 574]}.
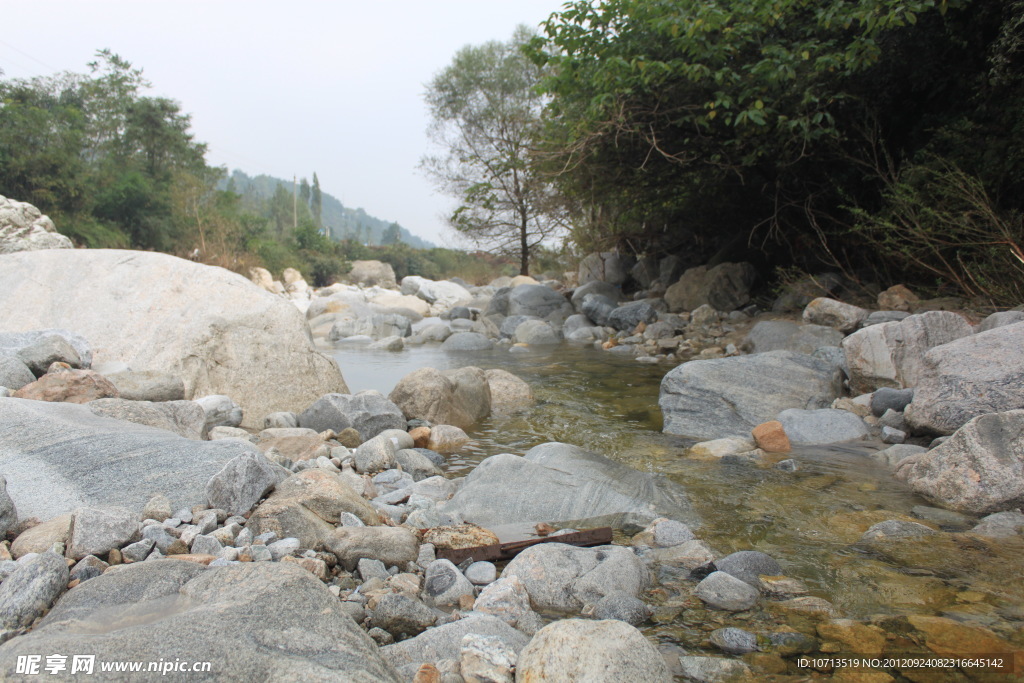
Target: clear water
{"type": "Point", "coordinates": [810, 520]}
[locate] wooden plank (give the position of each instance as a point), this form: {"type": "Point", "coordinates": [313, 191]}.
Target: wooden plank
{"type": "Point", "coordinates": [509, 549]}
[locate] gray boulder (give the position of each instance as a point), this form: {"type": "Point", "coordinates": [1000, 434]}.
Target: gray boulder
{"type": "Point", "coordinates": [402, 616]}
{"type": "Point", "coordinates": [557, 482]}
{"type": "Point", "coordinates": [467, 341]}
{"type": "Point", "coordinates": [184, 418]}
{"type": "Point", "coordinates": [747, 565]}
{"type": "Point", "coordinates": [710, 399]}
{"type": "Point", "coordinates": [720, 590]}
{"type": "Point", "coordinates": [822, 426]}
{"type": "Point", "coordinates": [45, 351]}
{"type": "Point", "coordinates": [538, 301]}
{"type": "Point", "coordinates": [508, 392]}
{"type": "Point", "coordinates": [598, 308]}
{"type": "Point", "coordinates": [508, 326]}
{"type": "Point", "coordinates": [444, 584]}
{"type": "Point", "coordinates": [148, 386]}
{"type": "Point", "coordinates": [536, 333]}
{"type": "Point", "coordinates": [368, 412]}
{"type": "Point", "coordinates": [254, 621]}
{"type": "Point", "coordinates": [725, 287]}
{"type": "Point", "coordinates": [98, 530]}
{"type": "Point", "coordinates": [605, 289]}
{"type": "Point", "coordinates": [979, 469]}
{"type": "Point", "coordinates": [454, 397]}
{"type": "Point", "coordinates": [784, 335]}
{"type": "Point", "coordinates": [61, 456]}
{"type": "Point", "coordinates": [892, 354]}
{"type": "Point", "coordinates": [24, 228]}
{"type": "Point", "coordinates": [983, 373]}
{"type": "Point", "coordinates": [14, 374]}
{"type": "Point", "coordinates": [628, 316]}
{"type": "Point", "coordinates": [445, 642]}
{"type": "Point", "coordinates": [890, 399]}
{"type": "Point", "coordinates": [29, 591]}
{"type": "Point", "coordinates": [242, 482]}
{"type": "Point", "coordinates": [157, 312]}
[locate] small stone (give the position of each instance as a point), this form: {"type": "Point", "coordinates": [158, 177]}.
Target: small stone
{"type": "Point", "coordinates": [260, 553]}
{"type": "Point", "coordinates": [444, 584]}
{"type": "Point", "coordinates": [137, 552]}
{"type": "Point", "coordinates": [420, 436]}
{"type": "Point", "coordinates": [426, 555]}
{"type": "Point", "coordinates": [402, 614]}
{"type": "Point", "coordinates": [723, 591]}
{"type": "Point", "coordinates": [893, 436]}
{"type": "Point", "coordinates": [206, 545]}
{"type": "Point", "coordinates": [369, 569]}
{"type": "Point", "coordinates": [734, 641]}
{"type": "Point", "coordinates": [380, 636]}
{"type": "Point", "coordinates": [481, 573]}
{"type": "Point", "coordinates": [158, 507]}
{"type": "Point", "coordinates": [96, 531]}
{"type": "Point", "coordinates": [348, 519]}
{"type": "Point", "coordinates": [88, 567]}
{"type": "Point", "coordinates": [284, 547]}
{"type": "Point", "coordinates": [446, 439]}
{"type": "Point", "coordinates": [427, 673]}
{"type": "Point", "coordinates": [669, 533]}
{"type": "Point", "coordinates": [771, 437]}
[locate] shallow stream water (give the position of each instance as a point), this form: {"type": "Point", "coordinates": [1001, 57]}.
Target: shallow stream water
{"type": "Point", "coordinates": [810, 520]}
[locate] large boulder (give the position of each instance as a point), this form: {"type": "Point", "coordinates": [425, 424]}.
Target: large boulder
{"type": "Point", "coordinates": [606, 266]}
{"type": "Point", "coordinates": [357, 322]}
{"type": "Point", "coordinates": [971, 376]}
{"type": "Point", "coordinates": [445, 642]}
{"type": "Point", "coordinates": [892, 354]}
{"type": "Point", "coordinates": [213, 328]}
{"type": "Point", "coordinates": [24, 228]}
{"type": "Point", "coordinates": [147, 386]}
{"type": "Point", "coordinates": [557, 482]}
{"type": "Point", "coordinates": [605, 289]}
{"type": "Point", "coordinates": [979, 469]}
{"type": "Point", "coordinates": [785, 335]}
{"type": "Point", "coordinates": [368, 412]}
{"type": "Point", "coordinates": [508, 392]}
{"type": "Point", "coordinates": [539, 301]}
{"type": "Point", "coordinates": [442, 295]}
{"type": "Point", "coordinates": [711, 399]}
{"type": "Point", "coordinates": [628, 316]}
{"type": "Point", "coordinates": [253, 621]}
{"type": "Point", "coordinates": [61, 456]}
{"type": "Point", "coordinates": [372, 273]}
{"type": "Point", "coordinates": [725, 287]}
{"type": "Point", "coordinates": [454, 397]}
{"type": "Point", "coordinates": [184, 418]}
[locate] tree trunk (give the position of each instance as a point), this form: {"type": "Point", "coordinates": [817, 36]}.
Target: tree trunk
{"type": "Point", "coordinates": [524, 253]}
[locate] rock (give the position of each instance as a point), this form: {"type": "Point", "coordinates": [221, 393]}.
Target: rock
{"type": "Point", "coordinates": [481, 573]}
{"type": "Point", "coordinates": [506, 599]}
{"type": "Point", "coordinates": [784, 335]}
{"type": "Point", "coordinates": [147, 386]}
{"type": "Point", "coordinates": [375, 455]}
{"type": "Point", "coordinates": [734, 641]}
{"type": "Point", "coordinates": [896, 528]}
{"type": "Point", "coordinates": [948, 638]}
{"type": "Point", "coordinates": [581, 650]}
{"type": "Point", "coordinates": [73, 386]}
{"type": "Point", "coordinates": [724, 287]}
{"type": "Point", "coordinates": [402, 615]}
{"type": "Point", "coordinates": [416, 464]}
{"type": "Point", "coordinates": [467, 341]}
{"type": "Point", "coordinates": [30, 590]}
{"type": "Point", "coordinates": [1000, 525]}
{"type": "Point", "coordinates": [598, 308]}
{"type": "Point", "coordinates": [771, 437]}
{"type": "Point", "coordinates": [184, 418]}
{"type": "Point", "coordinates": [719, 448]}
{"type": "Point", "coordinates": [887, 398]}
{"type": "Point", "coordinates": [508, 392]}
{"type": "Point", "coordinates": [486, 660]}
{"type": "Point", "coordinates": [622, 607]}
{"type": "Point", "coordinates": [241, 483]}
{"type": "Point", "coordinates": [42, 537]}
{"type": "Point", "coordinates": [13, 343]}
{"type": "Point", "coordinates": [97, 531]}
{"type": "Point", "coordinates": [821, 426]}
{"type": "Point", "coordinates": [979, 469]}
{"type": "Point", "coordinates": [370, 273]}
{"type": "Point", "coordinates": [796, 295]}
{"type": "Point", "coordinates": [628, 316]}
{"type": "Point", "coordinates": [24, 228]}
{"type": "Point", "coordinates": [893, 435]}
{"type": "Point", "coordinates": [832, 313]}
{"type": "Point", "coordinates": [357, 323]}
{"type": "Point", "coordinates": [713, 669]}
{"type": "Point", "coordinates": [213, 330]}
{"type": "Point", "coordinates": [897, 298]}
{"type": "Point", "coordinates": [258, 621]}
{"type": "Point", "coordinates": [220, 411]}
{"type": "Point", "coordinates": [879, 317]}
{"type": "Point", "coordinates": [748, 565]}
{"type": "Point", "coordinates": [538, 301]}
{"type": "Point", "coordinates": [892, 354]}
{"type": "Point", "coordinates": [89, 567]}
{"type": "Point", "coordinates": [444, 585]}
{"type": "Point", "coordinates": [281, 420]}
{"type": "Point", "coordinates": [894, 454]}
{"type": "Point", "coordinates": [459, 536]}
{"type": "Point", "coordinates": [611, 292]}
{"type": "Point", "coordinates": [443, 294]}
{"type": "Point", "coordinates": [565, 578]}
{"type": "Point", "coordinates": [723, 591]}
{"type": "Point", "coordinates": [454, 397]}
{"type": "Point", "coordinates": [536, 333]}
{"type": "Point", "coordinates": [668, 533]}
{"type": "Point", "coordinates": [8, 510]}
{"type": "Point", "coordinates": [1000, 319]}
{"type": "Point", "coordinates": [296, 444]}
{"type": "Point", "coordinates": [708, 399]}
{"type": "Point", "coordinates": [391, 545]}
{"type": "Point", "coordinates": [282, 548]}
{"type": "Point", "coordinates": [445, 641]}
{"type": "Point", "coordinates": [307, 506]}
{"type": "Point", "coordinates": [14, 374]}
{"type": "Point", "coordinates": [606, 266]}
{"type": "Point", "coordinates": [968, 377]}
{"type": "Point", "coordinates": [47, 350]}
{"type": "Point", "coordinates": [446, 439]}
{"type": "Point", "coordinates": [59, 456]}
{"type": "Point", "coordinates": [548, 485]}
{"type": "Point", "coordinates": [208, 545]}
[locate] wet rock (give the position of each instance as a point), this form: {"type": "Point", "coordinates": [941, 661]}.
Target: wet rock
{"type": "Point", "coordinates": [622, 607]}
{"type": "Point", "coordinates": [446, 439]}
{"type": "Point", "coordinates": [508, 392]}
{"type": "Point", "coordinates": [579, 650]}
{"type": "Point", "coordinates": [1000, 525]}
{"type": "Point", "coordinates": [242, 482]}
{"type": "Point", "coordinates": [979, 469]}
{"type": "Point", "coordinates": [394, 546]}
{"type": "Point", "coordinates": [536, 333]}
{"type": "Point", "coordinates": [565, 578]}
{"type": "Point", "coordinates": [709, 399]}
{"type": "Point", "coordinates": [402, 615]}
{"type": "Point", "coordinates": [719, 448]}
{"type": "Point", "coordinates": [894, 454]}
{"type": "Point", "coordinates": [368, 412]}
{"type": "Point", "coordinates": [896, 528]}
{"type": "Point", "coordinates": [713, 669]}
{"type": "Point", "coordinates": [723, 591]}
{"type": "Point", "coordinates": [455, 397]}
{"type": "Point", "coordinates": [445, 585]}
{"type": "Point", "coordinates": [467, 341]}
{"type": "Point", "coordinates": [31, 589]}
{"type": "Point", "coordinates": [855, 637]}
{"type": "Point", "coordinates": [887, 398]}
{"type": "Point", "coordinates": [822, 426]}
{"type": "Point", "coordinates": [836, 314]}
{"type": "Point", "coordinates": [733, 641]}
{"type": "Point", "coordinates": [97, 531]}
{"type": "Point", "coordinates": [748, 565]}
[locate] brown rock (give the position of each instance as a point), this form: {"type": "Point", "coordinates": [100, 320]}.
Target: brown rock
{"type": "Point", "coordinates": [349, 438]}
{"type": "Point", "coordinates": [856, 637]}
{"type": "Point", "coordinates": [446, 439]}
{"type": "Point", "coordinates": [466, 602]}
{"type": "Point", "coordinates": [41, 537]}
{"type": "Point", "coordinates": [197, 558]}
{"type": "Point", "coordinates": [314, 566]}
{"type": "Point", "coordinates": [420, 436]}
{"type": "Point", "coordinates": [897, 298]}
{"type": "Point", "coordinates": [71, 386]}
{"type": "Point", "coordinates": [114, 557]}
{"type": "Point", "coordinates": [295, 444]}
{"type": "Point", "coordinates": [427, 673]}
{"type": "Point", "coordinates": [771, 437]}
{"type": "Point", "coordinates": [951, 638]}
{"type": "Point", "coordinates": [466, 535]}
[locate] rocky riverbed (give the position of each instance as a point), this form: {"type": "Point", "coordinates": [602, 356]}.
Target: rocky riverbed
{"type": "Point", "coordinates": [186, 475]}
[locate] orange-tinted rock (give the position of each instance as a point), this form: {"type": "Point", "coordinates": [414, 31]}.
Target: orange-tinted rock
{"type": "Point", "coordinates": [897, 298]}
{"type": "Point", "coordinates": [466, 535]}
{"type": "Point", "coordinates": [420, 436]}
{"type": "Point", "coordinates": [69, 386]}
{"type": "Point", "coordinates": [771, 437]}
{"type": "Point", "coordinates": [427, 673]}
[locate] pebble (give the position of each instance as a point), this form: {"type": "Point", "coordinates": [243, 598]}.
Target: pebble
{"type": "Point", "coordinates": [481, 573]}
{"type": "Point", "coordinates": [725, 592]}
{"type": "Point", "coordinates": [734, 641]}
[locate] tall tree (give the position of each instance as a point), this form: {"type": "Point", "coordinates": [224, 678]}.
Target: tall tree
{"type": "Point", "coordinates": [392, 234]}
{"type": "Point", "coordinates": [486, 116]}
{"type": "Point", "coordinates": [304, 192]}
{"type": "Point", "coordinates": [317, 202]}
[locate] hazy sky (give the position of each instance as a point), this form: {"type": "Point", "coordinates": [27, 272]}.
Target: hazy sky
{"type": "Point", "coordinates": [285, 88]}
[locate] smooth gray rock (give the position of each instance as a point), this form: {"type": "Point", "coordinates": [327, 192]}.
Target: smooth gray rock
{"type": "Point", "coordinates": [605, 289]}
{"type": "Point", "coordinates": [979, 469]}
{"type": "Point", "coordinates": [368, 412]}
{"type": "Point", "coordinates": [598, 308]}
{"type": "Point", "coordinates": [747, 565]}
{"type": "Point", "coordinates": [204, 544]}
{"type": "Point", "coordinates": [61, 456]}
{"type": "Point", "coordinates": [98, 530]}
{"type": "Point", "coordinates": [536, 333]}
{"type": "Point", "coordinates": [734, 641]}
{"type": "Point", "coordinates": [558, 482]}
{"type": "Point", "coordinates": [623, 607]}
{"type": "Point", "coordinates": [1001, 525]}
{"type": "Point", "coordinates": [723, 591]}
{"type": "Point", "coordinates": [710, 399]}
{"type": "Point", "coordinates": [979, 374]}
{"type": "Point", "coordinates": [47, 350]}
{"type": "Point", "coordinates": [8, 510]}
{"type": "Point", "coordinates": [628, 316]}
{"type": "Point", "coordinates": [257, 621]}
{"type": "Point", "coordinates": [445, 642]}
{"type": "Point", "coordinates": [89, 567]}
{"type": "Point", "coordinates": [402, 616]}
{"type": "Point", "coordinates": [148, 386]}
{"type": "Point", "coordinates": [11, 343]}
{"type": "Point", "coordinates": [220, 411]}
{"type": "Point", "coordinates": [375, 455]}
{"type": "Point", "coordinates": [508, 326]}
{"type": "Point", "coordinates": [831, 313]}
{"type": "Point", "coordinates": [713, 669]}
{"type": "Point", "coordinates": [242, 482]}
{"type": "Point", "coordinates": [281, 420]}
{"type": "Point", "coordinates": [896, 528]}
{"type": "Point", "coordinates": [30, 590]}
{"type": "Point", "coordinates": [822, 426]}
{"type": "Point", "coordinates": [887, 398]}
{"type": "Point", "coordinates": [416, 464]}
{"type": "Point", "coordinates": [14, 374]}
{"type": "Point", "coordinates": [481, 573]}
{"type": "Point", "coordinates": [669, 533]}
{"type": "Point", "coordinates": [394, 546]}
{"type": "Point", "coordinates": [1000, 319]}
{"type": "Point", "coordinates": [444, 584]}
{"type": "Point", "coordinates": [184, 418]}
{"type": "Point", "coordinates": [785, 335]}
{"type": "Point", "coordinates": [369, 569]}
{"type": "Point", "coordinates": [893, 435]}
{"type": "Point", "coordinates": [467, 341]}
{"type": "Point", "coordinates": [565, 578]}
{"type": "Point", "coordinates": [539, 301]}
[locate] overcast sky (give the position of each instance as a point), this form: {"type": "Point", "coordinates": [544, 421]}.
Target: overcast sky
{"type": "Point", "coordinates": [285, 88]}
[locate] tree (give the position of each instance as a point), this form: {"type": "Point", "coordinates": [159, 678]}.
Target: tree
{"type": "Point", "coordinates": [486, 116]}
{"type": "Point", "coordinates": [392, 235]}
{"type": "Point", "coordinates": [317, 202]}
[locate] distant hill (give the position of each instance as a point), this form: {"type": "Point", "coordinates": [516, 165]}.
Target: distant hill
{"type": "Point", "coordinates": [342, 222]}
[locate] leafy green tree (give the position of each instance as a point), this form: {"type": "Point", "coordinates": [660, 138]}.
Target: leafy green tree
{"type": "Point", "coordinates": [317, 202]}
{"type": "Point", "coordinates": [486, 116]}
{"type": "Point", "coordinates": [393, 235]}
{"type": "Point", "coordinates": [304, 192]}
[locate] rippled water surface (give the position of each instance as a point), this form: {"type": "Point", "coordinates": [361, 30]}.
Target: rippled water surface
{"type": "Point", "coordinates": [810, 520]}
